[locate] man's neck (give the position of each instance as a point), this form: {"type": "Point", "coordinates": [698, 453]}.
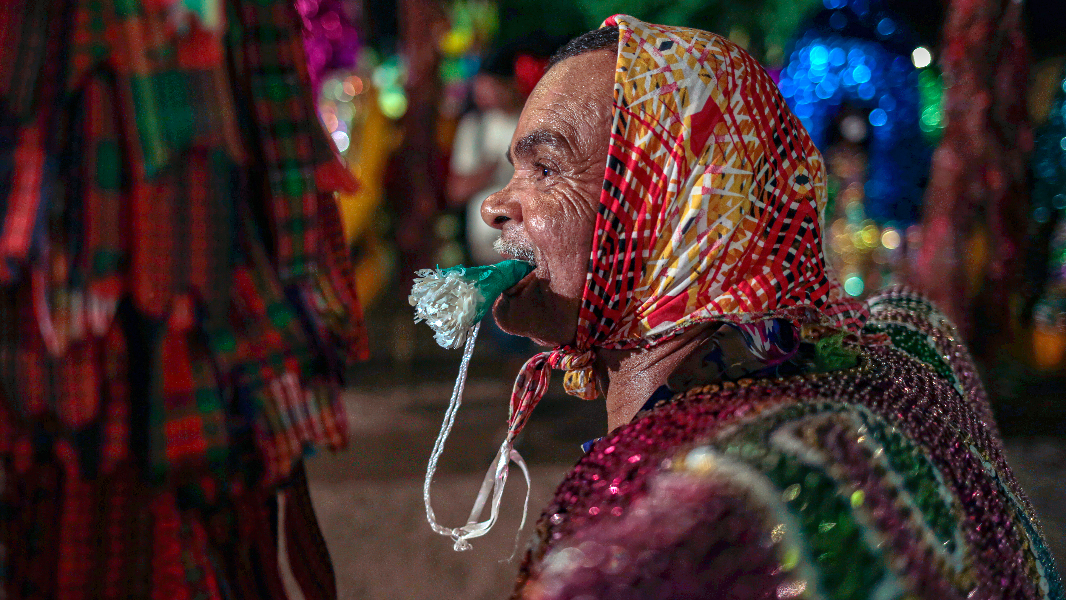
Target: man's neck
{"type": "Point", "coordinates": [631, 376]}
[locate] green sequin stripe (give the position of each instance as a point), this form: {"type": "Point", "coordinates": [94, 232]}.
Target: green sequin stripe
{"type": "Point", "coordinates": [920, 478]}
{"type": "Point", "coordinates": [1042, 567]}
{"type": "Point", "coordinates": [849, 566]}
{"type": "Point", "coordinates": [820, 500]}
{"type": "Point", "coordinates": [904, 456]}
{"type": "Point", "coordinates": [907, 303]}
{"type": "Point", "coordinates": [917, 344]}
{"type": "Point", "coordinates": [927, 504]}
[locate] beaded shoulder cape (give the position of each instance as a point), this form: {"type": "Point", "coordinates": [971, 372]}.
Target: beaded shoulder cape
{"type": "Point", "coordinates": [882, 480]}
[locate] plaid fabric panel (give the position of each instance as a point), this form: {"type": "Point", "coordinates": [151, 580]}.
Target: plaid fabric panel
{"type": "Point", "coordinates": [305, 546]}
{"type": "Point", "coordinates": [155, 252]}
{"type": "Point", "coordinates": [168, 574]}
{"type": "Point", "coordinates": [78, 382]}
{"type": "Point", "coordinates": [210, 230]}
{"type": "Point", "coordinates": [115, 426]}
{"type": "Point", "coordinates": [188, 426]}
{"type": "Point", "coordinates": [143, 217]}
{"type": "Point", "coordinates": [295, 408]}
{"type": "Point", "coordinates": [10, 327]}
{"type": "Point", "coordinates": [272, 373]}
{"type": "Point", "coordinates": [199, 572]}
{"type": "Point", "coordinates": [102, 174]}
{"type": "Point", "coordinates": [126, 538]}
{"type": "Point", "coordinates": [8, 146]}
{"type": "Point", "coordinates": [89, 46]}
{"type": "Point", "coordinates": [330, 413]}
{"type": "Point", "coordinates": [34, 531]}
{"type": "Point", "coordinates": [278, 90]}
{"type": "Point", "coordinates": [251, 556]}
{"type": "Point", "coordinates": [173, 87]}
{"type": "Point", "coordinates": [182, 231]}
{"type": "Point", "coordinates": [77, 521]}
{"type": "Point", "coordinates": [334, 293]}
{"type": "Point", "coordinates": [24, 200]}
{"type": "Point", "coordinates": [29, 92]}
{"type": "Point", "coordinates": [32, 364]}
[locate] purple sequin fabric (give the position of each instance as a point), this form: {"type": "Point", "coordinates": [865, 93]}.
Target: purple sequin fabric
{"type": "Point", "coordinates": [885, 479]}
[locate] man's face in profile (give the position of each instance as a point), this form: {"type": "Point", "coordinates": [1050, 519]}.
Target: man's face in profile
{"type": "Point", "coordinates": [547, 213]}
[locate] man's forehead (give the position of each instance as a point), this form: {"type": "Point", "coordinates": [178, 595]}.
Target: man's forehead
{"type": "Point", "coordinates": [560, 107]}
{"type": "Point", "coordinates": [569, 81]}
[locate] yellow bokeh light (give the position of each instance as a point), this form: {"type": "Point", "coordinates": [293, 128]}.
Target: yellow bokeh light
{"type": "Point", "coordinates": [890, 239]}
{"type": "Point", "coordinates": [869, 235]}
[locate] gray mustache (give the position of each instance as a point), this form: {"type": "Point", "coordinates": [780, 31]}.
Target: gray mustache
{"type": "Point", "coordinates": [520, 252]}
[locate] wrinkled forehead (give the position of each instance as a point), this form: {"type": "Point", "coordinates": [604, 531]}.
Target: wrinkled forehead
{"type": "Point", "coordinates": [574, 99]}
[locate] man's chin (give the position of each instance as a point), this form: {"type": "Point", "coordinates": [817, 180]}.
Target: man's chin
{"type": "Point", "coordinates": [518, 322]}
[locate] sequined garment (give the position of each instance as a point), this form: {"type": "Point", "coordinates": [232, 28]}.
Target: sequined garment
{"type": "Point", "coordinates": [978, 178]}
{"type": "Point", "coordinates": [884, 480]}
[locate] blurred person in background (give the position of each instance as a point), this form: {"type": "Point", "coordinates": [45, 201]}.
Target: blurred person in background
{"type": "Point", "coordinates": [768, 436]}
{"type": "Point", "coordinates": [478, 163]}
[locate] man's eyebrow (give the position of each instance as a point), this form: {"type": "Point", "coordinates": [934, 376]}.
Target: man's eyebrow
{"type": "Point", "coordinates": [541, 137]}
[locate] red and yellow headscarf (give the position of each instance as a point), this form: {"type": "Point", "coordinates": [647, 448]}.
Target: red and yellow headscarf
{"type": "Point", "coordinates": [711, 207]}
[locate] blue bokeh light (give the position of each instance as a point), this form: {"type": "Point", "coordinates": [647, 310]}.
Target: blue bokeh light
{"type": "Point", "coordinates": [867, 69]}
{"type": "Point", "coordinates": [819, 56]}
{"type": "Point", "coordinates": [861, 73]}
{"type": "Point", "coordinates": [886, 26]}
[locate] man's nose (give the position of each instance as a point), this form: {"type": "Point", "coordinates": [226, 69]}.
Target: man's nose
{"type": "Point", "coordinates": [500, 208]}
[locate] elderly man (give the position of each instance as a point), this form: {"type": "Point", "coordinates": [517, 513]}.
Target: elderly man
{"type": "Point", "coordinates": [769, 438]}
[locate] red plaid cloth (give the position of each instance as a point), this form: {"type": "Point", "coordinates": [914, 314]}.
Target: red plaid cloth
{"type": "Point", "coordinates": [24, 201]}
{"type": "Point", "coordinates": [29, 30]}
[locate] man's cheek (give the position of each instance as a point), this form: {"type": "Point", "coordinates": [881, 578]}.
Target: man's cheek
{"type": "Point", "coordinates": [536, 225]}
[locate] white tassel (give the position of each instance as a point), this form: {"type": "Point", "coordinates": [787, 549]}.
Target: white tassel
{"type": "Point", "coordinates": [452, 302]}
{"type": "Point", "coordinates": [448, 303]}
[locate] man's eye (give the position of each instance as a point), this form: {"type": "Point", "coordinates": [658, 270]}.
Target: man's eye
{"type": "Point", "coordinates": [543, 171]}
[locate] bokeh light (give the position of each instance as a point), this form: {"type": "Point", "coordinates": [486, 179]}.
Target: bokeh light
{"type": "Point", "coordinates": [890, 238]}
{"type": "Point", "coordinates": [341, 139]}
{"type": "Point", "coordinates": [854, 285]}
{"type": "Point", "coordinates": [921, 57]}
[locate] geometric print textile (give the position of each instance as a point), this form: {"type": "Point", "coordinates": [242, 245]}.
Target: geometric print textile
{"type": "Point", "coordinates": [713, 198]}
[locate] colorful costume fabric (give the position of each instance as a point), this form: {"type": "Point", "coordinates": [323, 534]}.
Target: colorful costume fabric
{"type": "Point", "coordinates": [866, 464]}
{"type": "Point", "coordinates": [176, 303]}
{"type": "Point", "coordinates": [882, 480]}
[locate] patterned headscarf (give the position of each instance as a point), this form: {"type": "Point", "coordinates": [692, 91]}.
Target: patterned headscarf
{"type": "Point", "coordinates": [711, 209]}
